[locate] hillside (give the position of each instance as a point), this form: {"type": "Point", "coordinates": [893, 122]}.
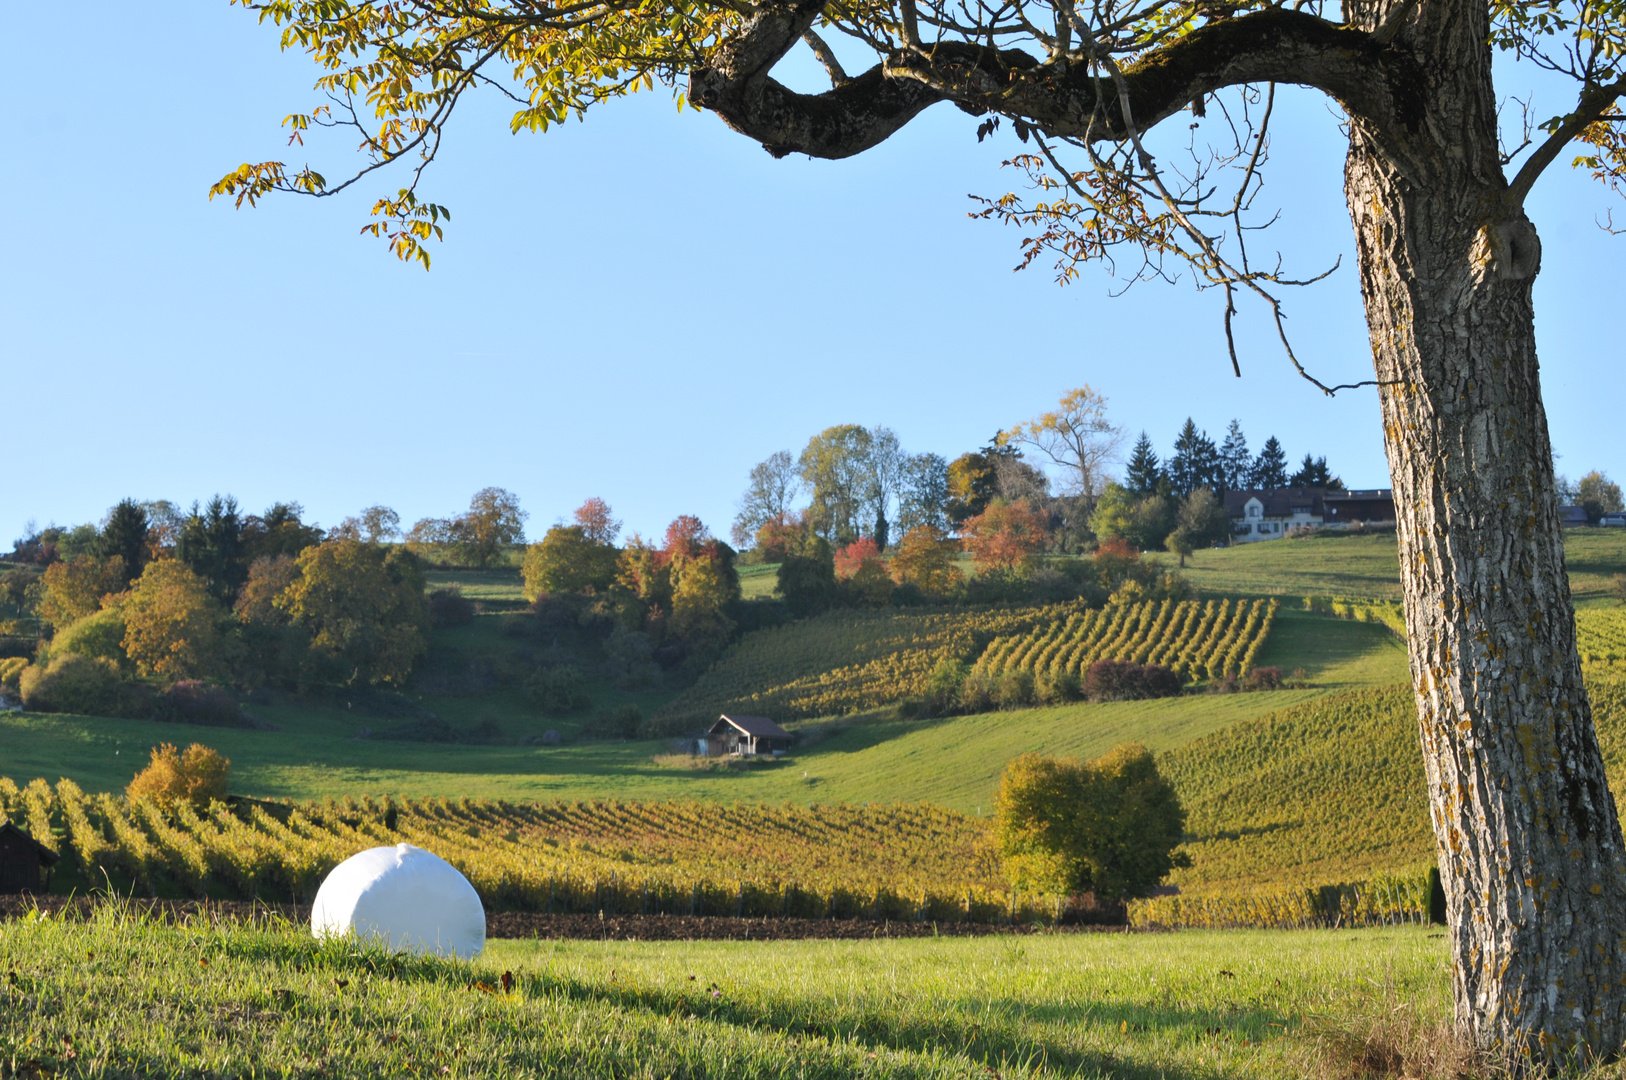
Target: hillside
{"type": "Point", "coordinates": [1333, 564]}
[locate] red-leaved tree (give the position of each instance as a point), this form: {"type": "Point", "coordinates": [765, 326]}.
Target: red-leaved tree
{"type": "Point", "coordinates": [1006, 533]}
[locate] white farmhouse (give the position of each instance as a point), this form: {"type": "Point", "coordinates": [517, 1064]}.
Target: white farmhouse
{"type": "Point", "coordinates": [1268, 514]}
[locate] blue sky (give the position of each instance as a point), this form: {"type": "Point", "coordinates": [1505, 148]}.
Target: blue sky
{"type": "Point", "coordinates": [639, 307]}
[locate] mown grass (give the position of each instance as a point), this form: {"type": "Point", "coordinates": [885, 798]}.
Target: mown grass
{"type": "Point", "coordinates": [117, 997]}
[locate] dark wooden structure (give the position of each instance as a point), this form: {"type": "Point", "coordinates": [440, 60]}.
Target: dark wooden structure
{"type": "Point", "coordinates": [748, 736]}
{"type": "Point", "coordinates": [21, 857]}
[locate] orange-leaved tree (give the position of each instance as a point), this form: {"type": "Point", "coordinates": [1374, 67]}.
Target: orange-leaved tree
{"type": "Point", "coordinates": [1005, 534]}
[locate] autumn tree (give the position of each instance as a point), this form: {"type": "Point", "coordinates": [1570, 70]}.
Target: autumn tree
{"type": "Point", "coordinates": [72, 590]}
{"type": "Point", "coordinates": [172, 623]}
{"type": "Point", "coordinates": [282, 530]}
{"type": "Point", "coordinates": [364, 609]}
{"type": "Point", "coordinates": [1003, 536]}
{"type": "Point", "coordinates": [597, 522]}
{"type": "Point", "coordinates": [493, 521]}
{"type": "Point", "coordinates": [924, 498]}
{"type": "Point", "coordinates": [374, 525]}
{"type": "Point", "coordinates": [1108, 826]}
{"type": "Point", "coordinates": [1447, 259]}
{"type": "Point", "coordinates": [705, 587]}
{"type": "Point", "coordinates": [924, 558]}
{"type": "Point", "coordinates": [567, 560]}
{"type": "Point", "coordinates": [1599, 495]}
{"type": "Point", "coordinates": [770, 491]}
{"type": "Point", "coordinates": [197, 775]}
{"type": "Point", "coordinates": [835, 467]}
{"type": "Point", "coordinates": [1077, 436]}
{"type": "Point", "coordinates": [1141, 521]}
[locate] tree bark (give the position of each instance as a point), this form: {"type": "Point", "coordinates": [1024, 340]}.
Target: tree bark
{"type": "Point", "coordinates": [1528, 838]}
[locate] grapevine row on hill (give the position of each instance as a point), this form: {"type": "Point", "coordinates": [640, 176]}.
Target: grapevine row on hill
{"type": "Point", "coordinates": [1196, 639]}
{"type": "Point", "coordinates": [844, 661]}
{"type": "Point", "coordinates": [899, 862]}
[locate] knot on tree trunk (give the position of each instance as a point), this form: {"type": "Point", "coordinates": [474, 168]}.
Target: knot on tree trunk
{"type": "Point", "coordinates": [1506, 250]}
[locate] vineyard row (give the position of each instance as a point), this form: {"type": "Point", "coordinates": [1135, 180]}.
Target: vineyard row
{"type": "Point", "coordinates": [1196, 639]}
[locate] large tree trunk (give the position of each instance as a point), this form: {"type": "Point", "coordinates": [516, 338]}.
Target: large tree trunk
{"type": "Point", "coordinates": [1529, 842]}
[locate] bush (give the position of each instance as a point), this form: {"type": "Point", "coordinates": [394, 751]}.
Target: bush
{"type": "Point", "coordinates": [1119, 680]}
{"type": "Point", "coordinates": [1263, 678]}
{"type": "Point", "coordinates": [1057, 689]}
{"type": "Point", "coordinates": [944, 688]}
{"type": "Point", "coordinates": [449, 607]}
{"type": "Point", "coordinates": [99, 636]}
{"type": "Point", "coordinates": [193, 702]}
{"type": "Point", "coordinates": [72, 683]}
{"type": "Point", "coordinates": [558, 689]}
{"type": "Point", "coordinates": [197, 775]}
{"type": "Point", "coordinates": [1108, 826]}
{"type": "Point", "coordinates": [11, 669]}
{"type": "Point", "coordinates": [977, 692]}
{"type": "Point", "coordinates": [1014, 690]}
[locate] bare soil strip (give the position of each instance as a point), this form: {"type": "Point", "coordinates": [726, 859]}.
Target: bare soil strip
{"type": "Point", "coordinates": [524, 924]}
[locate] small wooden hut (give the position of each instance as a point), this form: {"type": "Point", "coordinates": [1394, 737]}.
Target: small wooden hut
{"type": "Point", "coordinates": [21, 857]}
{"type": "Point", "coordinates": [748, 736]}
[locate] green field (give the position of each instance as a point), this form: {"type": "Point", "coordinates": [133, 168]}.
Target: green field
{"type": "Point", "coordinates": [1272, 780]}
{"type": "Point", "coordinates": [953, 761]}
{"type": "Point", "coordinates": [118, 997]}
{"type": "Point", "coordinates": [1369, 566]}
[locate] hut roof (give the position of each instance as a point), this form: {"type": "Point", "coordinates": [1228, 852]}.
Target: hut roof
{"type": "Point", "coordinates": [758, 727]}
{"type": "Point", "coordinates": [46, 855]}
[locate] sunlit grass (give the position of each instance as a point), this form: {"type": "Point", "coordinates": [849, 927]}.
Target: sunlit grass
{"type": "Point", "coordinates": [116, 997]}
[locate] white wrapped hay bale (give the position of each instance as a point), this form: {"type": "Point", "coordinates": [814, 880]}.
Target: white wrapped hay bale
{"type": "Point", "coordinates": [404, 896]}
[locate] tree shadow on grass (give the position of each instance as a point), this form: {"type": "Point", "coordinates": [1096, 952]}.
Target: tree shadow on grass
{"type": "Point", "coordinates": [995, 1032]}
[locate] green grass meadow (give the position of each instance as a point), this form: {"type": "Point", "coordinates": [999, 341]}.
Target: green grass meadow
{"type": "Point", "coordinates": [953, 761]}
{"type": "Point", "coordinates": [123, 997]}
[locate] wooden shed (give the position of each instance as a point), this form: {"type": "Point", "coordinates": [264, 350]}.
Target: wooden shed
{"type": "Point", "coordinates": [750, 735]}
{"type": "Point", "coordinates": [21, 858]}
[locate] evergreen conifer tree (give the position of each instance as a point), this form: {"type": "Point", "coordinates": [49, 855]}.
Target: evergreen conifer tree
{"type": "Point", "coordinates": [1313, 472]}
{"type": "Point", "coordinates": [1195, 462]}
{"type": "Point", "coordinates": [1235, 461]}
{"type": "Point", "coordinates": [125, 535]}
{"type": "Point", "coordinates": [1270, 467]}
{"type": "Point", "coordinates": [1144, 469]}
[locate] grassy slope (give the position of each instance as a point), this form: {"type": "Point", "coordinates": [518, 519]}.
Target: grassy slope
{"type": "Point", "coordinates": [128, 999]}
{"type": "Point", "coordinates": [1368, 566]}
{"type": "Point", "coordinates": [953, 761]}
{"type": "Point", "coordinates": [1333, 790]}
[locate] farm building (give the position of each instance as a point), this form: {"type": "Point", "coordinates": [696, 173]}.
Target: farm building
{"type": "Point", "coordinates": [1269, 514]}
{"type": "Point", "coordinates": [745, 736]}
{"type": "Point", "coordinates": [21, 858]}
